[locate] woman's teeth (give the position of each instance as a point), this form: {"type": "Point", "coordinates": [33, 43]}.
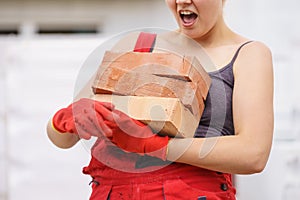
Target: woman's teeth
{"type": "Point", "coordinates": [186, 12]}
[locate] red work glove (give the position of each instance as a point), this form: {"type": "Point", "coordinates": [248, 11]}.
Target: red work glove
{"type": "Point", "coordinates": [134, 136]}
{"type": "Point", "coordinates": [84, 117]}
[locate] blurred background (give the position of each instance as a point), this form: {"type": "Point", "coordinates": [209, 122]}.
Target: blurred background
{"type": "Point", "coordinates": [43, 45]}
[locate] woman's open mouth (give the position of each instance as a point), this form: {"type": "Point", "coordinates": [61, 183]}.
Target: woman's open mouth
{"type": "Point", "coordinates": [188, 17]}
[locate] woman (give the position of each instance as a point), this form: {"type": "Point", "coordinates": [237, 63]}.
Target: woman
{"type": "Point", "coordinates": [234, 134]}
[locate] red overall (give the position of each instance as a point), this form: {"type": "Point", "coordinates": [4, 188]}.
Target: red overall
{"type": "Point", "coordinates": [117, 176]}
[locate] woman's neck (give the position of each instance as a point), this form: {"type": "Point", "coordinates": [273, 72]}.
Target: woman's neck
{"type": "Point", "coordinates": [218, 35]}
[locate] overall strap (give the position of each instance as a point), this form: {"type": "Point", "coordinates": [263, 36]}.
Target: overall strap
{"type": "Point", "coordinates": [145, 42]}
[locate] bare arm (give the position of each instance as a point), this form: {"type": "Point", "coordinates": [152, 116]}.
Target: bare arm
{"type": "Point", "coordinates": [248, 150]}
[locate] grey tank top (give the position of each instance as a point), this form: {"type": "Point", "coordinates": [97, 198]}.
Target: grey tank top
{"type": "Point", "coordinates": [217, 118]}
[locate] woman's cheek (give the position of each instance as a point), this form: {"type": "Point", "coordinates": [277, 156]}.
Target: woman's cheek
{"type": "Point", "coordinates": [171, 4]}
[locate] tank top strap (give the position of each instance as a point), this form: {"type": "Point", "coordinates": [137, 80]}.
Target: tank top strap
{"type": "Point", "coordinates": [237, 52]}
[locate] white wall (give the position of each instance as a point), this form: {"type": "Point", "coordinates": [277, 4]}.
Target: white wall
{"type": "Point", "coordinates": [40, 77]}
{"type": "Point", "coordinates": [3, 131]}
{"type": "Point", "coordinates": [110, 16]}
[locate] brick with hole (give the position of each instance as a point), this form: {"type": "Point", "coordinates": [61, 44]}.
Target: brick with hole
{"type": "Point", "coordinates": [162, 64]}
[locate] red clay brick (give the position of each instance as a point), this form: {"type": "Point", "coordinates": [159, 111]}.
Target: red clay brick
{"type": "Point", "coordinates": [164, 115]}
{"type": "Point", "coordinates": [162, 64]}
{"type": "Point", "coordinates": [123, 82]}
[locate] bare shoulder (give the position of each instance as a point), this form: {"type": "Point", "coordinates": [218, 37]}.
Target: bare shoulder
{"type": "Point", "coordinates": [255, 49]}
{"type": "Point", "coordinates": [254, 57]}
{"type": "Point", "coordinates": [258, 47]}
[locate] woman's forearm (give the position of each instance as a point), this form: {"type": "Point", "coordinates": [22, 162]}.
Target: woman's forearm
{"type": "Point", "coordinates": [61, 140]}
{"type": "Point", "coordinates": [230, 154]}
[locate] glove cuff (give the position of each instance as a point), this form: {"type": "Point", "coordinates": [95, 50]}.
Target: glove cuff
{"type": "Point", "coordinates": [53, 127]}
{"type": "Point", "coordinates": [58, 121]}
{"type": "Point", "coordinates": [158, 148]}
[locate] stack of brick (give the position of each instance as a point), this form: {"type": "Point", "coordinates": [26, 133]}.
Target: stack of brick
{"type": "Point", "coordinates": [164, 90]}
